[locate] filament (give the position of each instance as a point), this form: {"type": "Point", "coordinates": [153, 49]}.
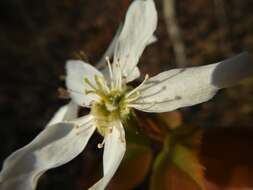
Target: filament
{"type": "Point", "coordinates": [109, 66]}
{"type": "Point", "coordinates": [138, 87]}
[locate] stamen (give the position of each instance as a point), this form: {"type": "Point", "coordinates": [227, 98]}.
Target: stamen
{"type": "Point", "coordinates": [101, 83]}
{"type": "Point", "coordinates": [138, 87]}
{"type": "Point", "coordinates": [128, 100]}
{"type": "Point", "coordinates": [109, 66]}
{"type": "Point", "coordinates": [119, 76]}
{"type": "Point", "coordinates": [98, 81]}
{"type": "Point", "coordinates": [87, 81]}
{"type": "Point", "coordinates": [101, 145]}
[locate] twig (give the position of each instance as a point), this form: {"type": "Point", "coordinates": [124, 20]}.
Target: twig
{"type": "Point", "coordinates": [174, 32]}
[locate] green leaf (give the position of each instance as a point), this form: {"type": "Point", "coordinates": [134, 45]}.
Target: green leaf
{"type": "Point", "coordinates": [177, 165]}
{"type": "Point", "coordinates": [187, 161]}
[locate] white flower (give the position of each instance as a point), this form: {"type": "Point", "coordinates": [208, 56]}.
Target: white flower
{"type": "Point", "coordinates": [111, 100]}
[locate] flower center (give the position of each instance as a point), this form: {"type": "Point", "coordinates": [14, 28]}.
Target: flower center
{"type": "Point", "coordinates": [110, 106]}
{"type": "Point", "coordinates": [109, 109]}
{"type": "Point", "coordinates": [114, 101]}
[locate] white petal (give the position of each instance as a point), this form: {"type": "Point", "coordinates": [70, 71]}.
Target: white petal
{"type": "Point", "coordinates": [137, 32]}
{"type": "Point", "coordinates": [76, 72]}
{"type": "Point", "coordinates": [185, 87]}
{"type": "Point", "coordinates": [114, 151]}
{"type": "Point", "coordinates": [152, 40]}
{"type": "Point", "coordinates": [102, 64]}
{"type": "Point", "coordinates": [134, 75]}
{"type": "Point", "coordinates": [65, 113]}
{"type": "Point", "coordinates": [54, 146]}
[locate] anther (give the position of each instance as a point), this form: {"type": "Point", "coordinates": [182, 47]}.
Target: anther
{"type": "Point", "coordinates": [98, 81]}
{"type": "Point", "coordinates": [101, 145]}
{"type": "Point", "coordinates": [101, 83]}
{"type": "Point", "coordinates": [107, 59]}
{"type": "Point", "coordinates": [86, 80]}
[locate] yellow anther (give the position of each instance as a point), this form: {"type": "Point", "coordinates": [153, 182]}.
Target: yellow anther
{"type": "Point", "coordinates": [99, 82]}
{"type": "Point", "coordinates": [87, 81]}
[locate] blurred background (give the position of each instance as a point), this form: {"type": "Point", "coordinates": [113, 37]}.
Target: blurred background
{"type": "Point", "coordinates": [36, 39]}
